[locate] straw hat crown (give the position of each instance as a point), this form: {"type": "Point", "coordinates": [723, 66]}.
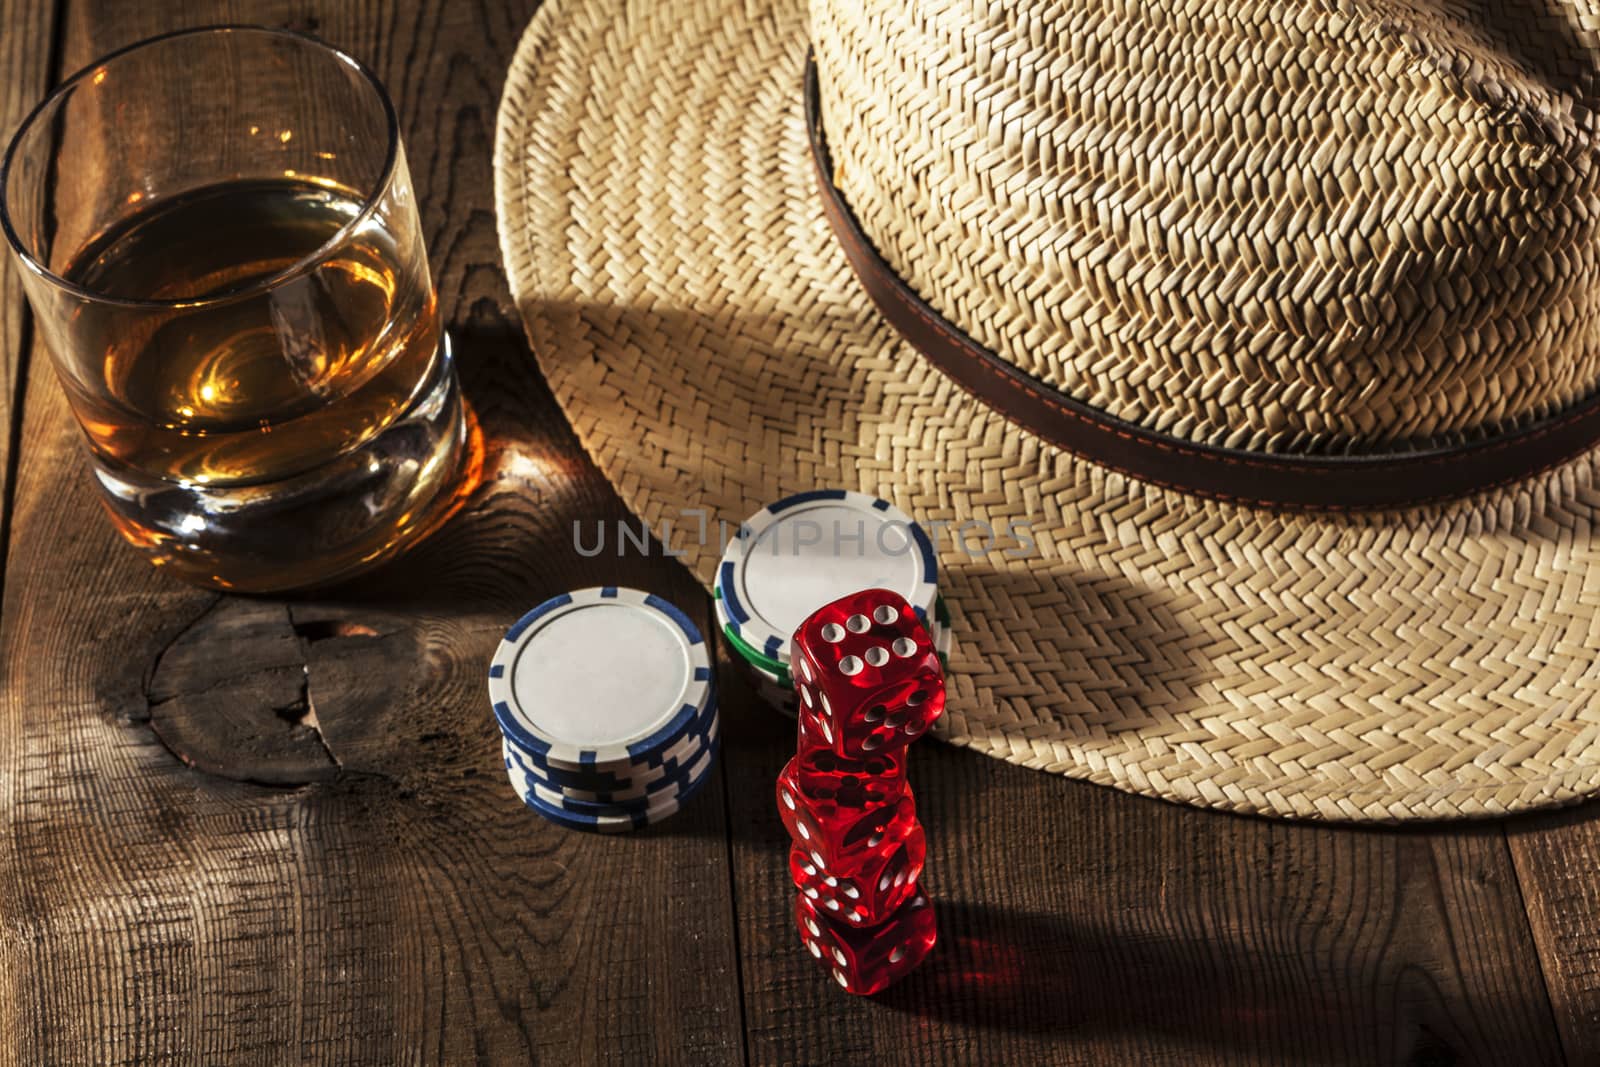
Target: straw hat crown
{"type": "Point", "coordinates": [1296, 227]}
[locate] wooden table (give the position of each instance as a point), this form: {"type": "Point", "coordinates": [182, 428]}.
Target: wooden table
{"type": "Point", "coordinates": [264, 831]}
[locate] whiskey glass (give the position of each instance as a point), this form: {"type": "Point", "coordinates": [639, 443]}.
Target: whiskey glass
{"type": "Point", "coordinates": [220, 243]}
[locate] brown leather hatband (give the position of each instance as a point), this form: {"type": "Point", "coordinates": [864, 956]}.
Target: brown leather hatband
{"type": "Point", "coordinates": [1259, 479]}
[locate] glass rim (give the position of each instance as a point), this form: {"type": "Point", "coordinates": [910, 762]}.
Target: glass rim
{"type": "Point", "coordinates": [369, 200]}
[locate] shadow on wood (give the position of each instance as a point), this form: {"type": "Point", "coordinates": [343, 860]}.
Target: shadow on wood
{"type": "Point", "coordinates": [1000, 969]}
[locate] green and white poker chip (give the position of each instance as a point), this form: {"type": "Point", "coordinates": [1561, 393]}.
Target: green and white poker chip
{"type": "Point", "coordinates": [810, 549]}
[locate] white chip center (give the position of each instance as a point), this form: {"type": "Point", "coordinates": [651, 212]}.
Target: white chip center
{"type": "Point", "coordinates": [812, 557]}
{"type": "Point", "coordinates": [599, 674]}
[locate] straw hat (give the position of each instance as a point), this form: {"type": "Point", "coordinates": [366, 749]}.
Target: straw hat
{"type": "Point", "coordinates": [1285, 321]}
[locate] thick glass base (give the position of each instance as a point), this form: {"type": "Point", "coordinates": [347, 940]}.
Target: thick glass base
{"type": "Point", "coordinates": [318, 527]}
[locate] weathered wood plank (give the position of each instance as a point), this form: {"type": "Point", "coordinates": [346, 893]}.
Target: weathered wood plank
{"type": "Point", "coordinates": [1557, 857]}
{"type": "Point", "coordinates": [1083, 926]}
{"type": "Point", "coordinates": [27, 31]}
{"type": "Point", "coordinates": [406, 908]}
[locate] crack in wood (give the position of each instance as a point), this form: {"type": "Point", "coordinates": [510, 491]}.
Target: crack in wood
{"type": "Point", "coordinates": [308, 718]}
{"type": "Point", "coordinates": [287, 694]}
{"type": "Point", "coordinates": [231, 693]}
{"type": "Point", "coordinates": [330, 629]}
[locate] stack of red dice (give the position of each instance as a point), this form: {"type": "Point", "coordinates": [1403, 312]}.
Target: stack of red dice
{"type": "Point", "coordinates": [869, 683]}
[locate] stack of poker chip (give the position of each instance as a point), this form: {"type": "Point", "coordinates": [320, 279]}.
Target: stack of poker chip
{"type": "Point", "coordinates": [606, 707]}
{"type": "Point", "coordinates": [810, 549]}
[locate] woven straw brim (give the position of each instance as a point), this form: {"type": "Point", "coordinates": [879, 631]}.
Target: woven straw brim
{"type": "Point", "coordinates": [698, 324]}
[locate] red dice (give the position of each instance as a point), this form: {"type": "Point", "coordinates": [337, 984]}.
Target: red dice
{"type": "Point", "coordinates": [842, 819]}
{"type": "Point", "coordinates": [869, 683]}
{"type": "Point", "coordinates": [868, 892]}
{"type": "Point", "coordinates": [867, 961]}
{"type": "Point", "coordinates": [823, 774]}
{"type": "Point", "coordinates": [867, 673]}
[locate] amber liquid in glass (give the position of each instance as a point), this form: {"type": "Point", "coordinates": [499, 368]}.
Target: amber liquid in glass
{"type": "Point", "coordinates": [257, 387]}
{"type": "Point", "coordinates": [256, 436]}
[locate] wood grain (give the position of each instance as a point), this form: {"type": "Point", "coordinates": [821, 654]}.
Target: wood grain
{"type": "Point", "coordinates": [1557, 856]}
{"type": "Point", "coordinates": [27, 33]}
{"type": "Point", "coordinates": [1082, 926]}
{"type": "Point", "coordinates": [405, 909]}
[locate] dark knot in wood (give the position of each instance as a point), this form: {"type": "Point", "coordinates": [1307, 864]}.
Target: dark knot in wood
{"type": "Point", "coordinates": [250, 689]}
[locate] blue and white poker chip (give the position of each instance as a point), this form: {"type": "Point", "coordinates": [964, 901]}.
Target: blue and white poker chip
{"type": "Point", "coordinates": [616, 775]}
{"type": "Point", "coordinates": [599, 676]}
{"type": "Point", "coordinates": [618, 821]}
{"type": "Point", "coordinates": [660, 777]}
{"type": "Point", "coordinates": [606, 708]}
{"type": "Point", "coordinates": [812, 548]}
{"type": "Point", "coordinates": [678, 786]}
